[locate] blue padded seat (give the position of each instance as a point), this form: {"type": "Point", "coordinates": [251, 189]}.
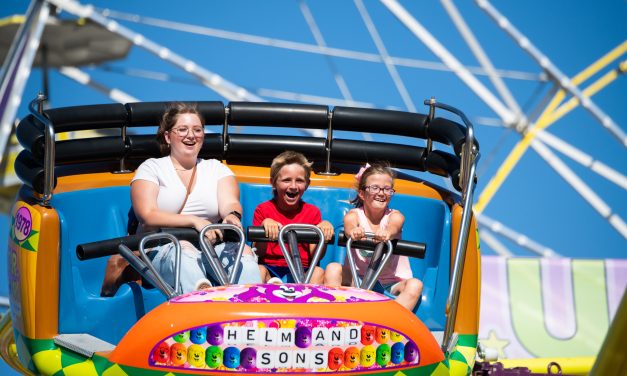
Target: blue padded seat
{"type": "Point", "coordinates": [98, 214]}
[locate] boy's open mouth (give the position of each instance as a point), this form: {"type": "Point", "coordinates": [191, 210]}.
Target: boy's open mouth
{"type": "Point", "coordinates": [291, 194]}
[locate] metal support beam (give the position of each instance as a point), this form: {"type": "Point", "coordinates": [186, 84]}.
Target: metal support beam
{"type": "Point", "coordinates": [17, 67]}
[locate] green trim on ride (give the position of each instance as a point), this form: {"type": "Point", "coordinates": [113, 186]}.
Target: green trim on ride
{"type": "Point", "coordinates": [58, 361]}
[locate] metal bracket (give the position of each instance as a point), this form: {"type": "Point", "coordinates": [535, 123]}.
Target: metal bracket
{"type": "Point", "coordinates": [225, 278]}
{"type": "Point", "coordinates": [123, 169]}
{"type": "Point", "coordinates": [431, 115]}
{"type": "Point", "coordinates": [327, 149]}
{"type": "Point", "coordinates": [378, 261]}
{"type": "Point", "coordinates": [49, 148]}
{"type": "Point", "coordinates": [293, 256]}
{"type": "Point", "coordinates": [225, 130]}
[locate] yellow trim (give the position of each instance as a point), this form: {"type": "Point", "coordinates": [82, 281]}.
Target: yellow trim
{"type": "Point", "coordinates": [570, 366]}
{"type": "Point", "coordinates": [591, 90]}
{"type": "Point", "coordinates": [8, 351]}
{"type": "Point", "coordinates": [601, 63]}
{"type": "Point", "coordinates": [251, 175]}
{"type": "Point", "coordinates": [15, 19]}
{"type": "Point", "coordinates": [551, 114]}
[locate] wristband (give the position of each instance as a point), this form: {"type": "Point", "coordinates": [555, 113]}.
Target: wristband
{"type": "Point", "coordinates": [235, 213]}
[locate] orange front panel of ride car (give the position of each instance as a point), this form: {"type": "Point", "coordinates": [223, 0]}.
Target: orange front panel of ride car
{"type": "Point", "coordinates": [269, 322]}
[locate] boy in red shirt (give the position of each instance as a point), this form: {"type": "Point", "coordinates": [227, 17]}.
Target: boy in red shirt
{"type": "Point", "coordinates": [289, 177]}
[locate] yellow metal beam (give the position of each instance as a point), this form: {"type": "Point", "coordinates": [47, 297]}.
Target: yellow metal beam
{"type": "Point", "coordinates": [591, 90]}
{"type": "Point", "coordinates": [551, 114]}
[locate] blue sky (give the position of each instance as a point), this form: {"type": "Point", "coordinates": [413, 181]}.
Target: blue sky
{"type": "Point", "coordinates": [534, 200]}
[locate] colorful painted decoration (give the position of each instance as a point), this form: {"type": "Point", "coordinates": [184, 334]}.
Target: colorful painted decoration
{"type": "Point", "coordinates": [286, 345]}
{"type": "Point", "coordinates": [283, 293]}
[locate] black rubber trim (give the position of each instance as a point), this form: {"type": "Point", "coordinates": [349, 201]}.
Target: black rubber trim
{"type": "Point", "coordinates": [30, 134]}
{"type": "Point", "coordinates": [279, 115]}
{"type": "Point", "coordinates": [30, 171]}
{"type": "Point", "coordinates": [150, 113]}
{"type": "Point", "coordinates": [259, 150]}
{"type": "Point", "coordinates": [258, 234]}
{"type": "Point", "coordinates": [379, 121]}
{"type": "Point", "coordinates": [89, 150]}
{"type": "Point", "coordinates": [449, 132]}
{"type": "Point", "coordinates": [401, 247]}
{"type": "Point", "coordinates": [98, 116]}
{"type": "Point", "coordinates": [103, 248]}
{"type": "Point", "coordinates": [147, 146]}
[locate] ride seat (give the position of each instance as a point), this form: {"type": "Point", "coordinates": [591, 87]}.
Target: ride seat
{"type": "Point", "coordinates": [102, 213]}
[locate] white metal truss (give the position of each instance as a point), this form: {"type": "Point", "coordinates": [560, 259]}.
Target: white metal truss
{"type": "Point", "coordinates": [564, 82]}
{"type": "Point", "coordinates": [219, 84]}
{"type": "Point", "coordinates": [581, 187]}
{"type": "Point", "coordinates": [509, 113]}
{"type": "Point", "coordinates": [17, 68]}
{"type": "Point", "coordinates": [84, 78]}
{"type": "Point", "coordinates": [516, 237]}
{"type": "Point", "coordinates": [317, 34]}
{"type": "Point", "coordinates": [308, 48]}
{"type": "Point", "coordinates": [451, 61]}
{"type": "Point", "coordinates": [376, 38]}
{"type": "Point", "coordinates": [582, 158]}
{"type": "Point", "coordinates": [493, 242]}
{"type": "Point", "coordinates": [481, 56]}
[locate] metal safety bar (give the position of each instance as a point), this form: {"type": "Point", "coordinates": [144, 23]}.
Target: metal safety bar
{"type": "Point", "coordinates": [225, 278]}
{"type": "Point", "coordinates": [377, 262]}
{"type": "Point", "coordinates": [162, 285]}
{"type": "Point", "coordinates": [49, 154]}
{"type": "Point", "coordinates": [469, 158]}
{"type": "Point", "coordinates": [292, 256]}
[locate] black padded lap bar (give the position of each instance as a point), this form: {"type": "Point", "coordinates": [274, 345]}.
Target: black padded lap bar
{"type": "Point", "coordinates": [100, 153]}
{"type": "Point", "coordinates": [30, 134]}
{"type": "Point", "coordinates": [279, 115]}
{"type": "Point", "coordinates": [30, 171]}
{"type": "Point", "coordinates": [109, 247]}
{"type": "Point", "coordinates": [150, 113]}
{"type": "Point", "coordinates": [354, 151]}
{"type": "Point", "coordinates": [99, 116]}
{"type": "Point", "coordinates": [89, 150]}
{"type": "Point", "coordinates": [379, 121]}
{"type": "Point", "coordinates": [443, 164]}
{"type": "Point", "coordinates": [259, 150]}
{"type": "Point", "coordinates": [401, 247]}
{"type": "Point", "coordinates": [146, 146]}
{"type": "Point", "coordinates": [143, 146]}
{"type": "Point", "coordinates": [257, 234]}
{"type": "Point", "coordinates": [448, 132]}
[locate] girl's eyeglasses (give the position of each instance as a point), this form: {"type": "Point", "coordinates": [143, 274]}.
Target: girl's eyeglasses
{"type": "Point", "coordinates": [374, 189]}
{"type": "Point", "coordinates": [184, 131]}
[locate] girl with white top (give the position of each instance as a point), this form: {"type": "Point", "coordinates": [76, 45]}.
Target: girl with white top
{"type": "Point", "coordinates": [159, 193]}
{"type": "Point", "coordinates": [375, 187]}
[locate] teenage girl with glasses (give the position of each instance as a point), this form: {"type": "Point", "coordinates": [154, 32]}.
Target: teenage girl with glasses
{"type": "Point", "coordinates": [375, 188]}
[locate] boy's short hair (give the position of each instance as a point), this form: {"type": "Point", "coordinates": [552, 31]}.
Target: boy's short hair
{"type": "Point", "coordinates": [287, 158]}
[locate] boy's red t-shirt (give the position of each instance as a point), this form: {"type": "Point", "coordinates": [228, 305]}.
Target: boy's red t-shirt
{"type": "Point", "coordinates": [308, 214]}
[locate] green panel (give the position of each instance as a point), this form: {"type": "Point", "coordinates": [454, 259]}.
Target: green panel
{"type": "Point", "coordinates": [590, 298]}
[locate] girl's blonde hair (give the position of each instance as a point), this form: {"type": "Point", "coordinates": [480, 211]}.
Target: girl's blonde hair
{"type": "Point", "coordinates": [376, 168]}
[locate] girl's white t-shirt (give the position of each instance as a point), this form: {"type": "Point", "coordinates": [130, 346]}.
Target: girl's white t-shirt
{"type": "Point", "coordinates": [202, 200]}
